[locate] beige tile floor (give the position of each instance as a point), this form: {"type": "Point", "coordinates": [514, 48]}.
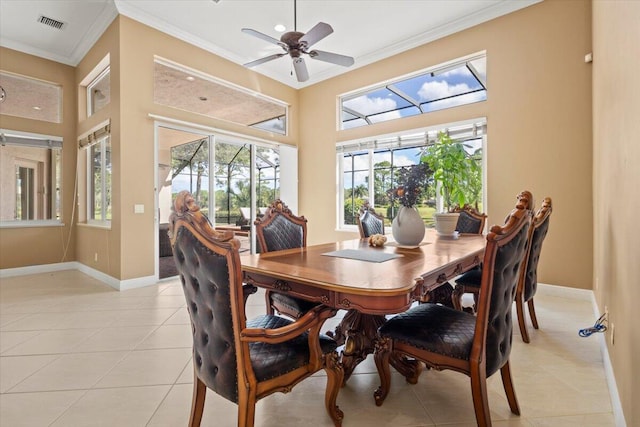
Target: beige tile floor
{"type": "Point", "coordinates": [74, 352]}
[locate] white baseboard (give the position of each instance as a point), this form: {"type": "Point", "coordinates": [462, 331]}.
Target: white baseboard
{"type": "Point", "coordinates": [616, 405]}
{"type": "Point", "coordinates": [121, 285]}
{"type": "Point", "coordinates": [38, 269]}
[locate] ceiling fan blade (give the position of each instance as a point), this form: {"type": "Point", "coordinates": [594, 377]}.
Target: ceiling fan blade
{"type": "Point", "coordinates": [334, 58]}
{"type": "Point", "coordinates": [301, 69]}
{"type": "Point", "coordinates": [263, 60]}
{"type": "Point", "coordinates": [264, 37]}
{"type": "Point", "coordinates": [317, 33]}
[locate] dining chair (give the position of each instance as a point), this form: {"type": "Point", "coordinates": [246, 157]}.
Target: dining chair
{"type": "Point", "coordinates": [445, 338]}
{"type": "Point", "coordinates": [369, 221]}
{"type": "Point", "coordinates": [242, 360]}
{"type": "Point", "coordinates": [470, 221]}
{"type": "Point", "coordinates": [469, 282]}
{"type": "Point", "coordinates": [279, 229]}
{"type": "Point", "coordinates": [528, 284]}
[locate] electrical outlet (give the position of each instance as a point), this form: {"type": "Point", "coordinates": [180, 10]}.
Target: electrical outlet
{"type": "Point", "coordinates": [613, 334]}
{"type": "Point", "coordinates": [95, 257]}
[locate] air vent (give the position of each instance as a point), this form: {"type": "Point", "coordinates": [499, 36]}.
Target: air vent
{"type": "Point", "coordinates": [51, 22]}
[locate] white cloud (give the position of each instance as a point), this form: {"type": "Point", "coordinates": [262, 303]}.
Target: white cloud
{"type": "Point", "coordinates": [365, 105]}
{"type": "Point", "coordinates": [440, 89]}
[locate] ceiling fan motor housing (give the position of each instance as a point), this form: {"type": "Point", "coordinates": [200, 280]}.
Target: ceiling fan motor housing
{"type": "Point", "coordinates": [291, 40]}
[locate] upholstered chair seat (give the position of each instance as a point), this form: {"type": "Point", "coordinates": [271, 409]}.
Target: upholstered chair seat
{"type": "Point", "coordinates": [450, 332]}
{"type": "Point", "coordinates": [273, 360]}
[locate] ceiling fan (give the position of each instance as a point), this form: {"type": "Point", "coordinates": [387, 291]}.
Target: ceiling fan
{"type": "Point", "coordinates": [295, 44]}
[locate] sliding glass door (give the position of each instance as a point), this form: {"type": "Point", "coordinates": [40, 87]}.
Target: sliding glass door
{"type": "Point", "coordinates": [233, 179]}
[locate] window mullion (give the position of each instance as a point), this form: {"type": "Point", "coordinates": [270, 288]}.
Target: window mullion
{"type": "Point", "coordinates": [103, 180]}
{"type": "Point", "coordinates": [371, 189]}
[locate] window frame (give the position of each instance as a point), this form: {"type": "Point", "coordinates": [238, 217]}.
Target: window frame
{"type": "Point", "coordinates": [49, 177]}
{"type": "Point", "coordinates": [91, 93]}
{"type": "Point", "coordinates": [388, 100]}
{"type": "Point", "coordinates": [464, 130]}
{"type": "Point", "coordinates": [105, 192]}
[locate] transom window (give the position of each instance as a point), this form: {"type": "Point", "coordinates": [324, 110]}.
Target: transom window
{"type": "Point", "coordinates": [458, 82]}
{"type": "Point", "coordinates": [99, 92]}
{"type": "Point", "coordinates": [30, 98]}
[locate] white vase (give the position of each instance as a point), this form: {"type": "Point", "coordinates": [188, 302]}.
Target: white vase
{"type": "Point", "coordinates": [407, 227]}
{"type": "Point", "coordinates": [446, 223]}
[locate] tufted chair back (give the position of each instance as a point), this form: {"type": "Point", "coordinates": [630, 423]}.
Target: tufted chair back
{"type": "Point", "coordinates": [208, 265]}
{"type": "Point", "coordinates": [470, 220]}
{"type": "Point", "coordinates": [503, 264]}
{"type": "Point", "coordinates": [538, 233]}
{"type": "Point", "coordinates": [369, 222]}
{"type": "Point", "coordinates": [280, 229]}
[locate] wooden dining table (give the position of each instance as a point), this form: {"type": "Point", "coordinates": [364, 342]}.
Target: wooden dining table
{"type": "Point", "coordinates": [369, 282]}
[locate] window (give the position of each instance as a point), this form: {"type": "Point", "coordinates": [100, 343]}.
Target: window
{"type": "Point", "coordinates": [213, 97]}
{"type": "Point", "coordinates": [30, 98]}
{"type": "Point", "coordinates": [99, 92]}
{"type": "Point", "coordinates": [458, 82]}
{"type": "Point", "coordinates": [369, 169]}
{"type": "Point", "coordinates": [98, 166]}
{"type": "Point", "coordinates": [30, 168]}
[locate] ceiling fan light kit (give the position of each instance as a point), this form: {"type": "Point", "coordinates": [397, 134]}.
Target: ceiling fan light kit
{"type": "Point", "coordinates": [295, 44]}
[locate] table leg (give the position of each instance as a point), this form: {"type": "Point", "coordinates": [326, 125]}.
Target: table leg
{"type": "Point", "coordinates": [358, 332]}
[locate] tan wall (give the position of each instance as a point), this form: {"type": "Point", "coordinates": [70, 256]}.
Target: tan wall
{"type": "Point", "coordinates": [539, 126]}
{"type": "Point", "coordinates": [616, 132]}
{"type": "Point", "coordinates": [21, 247]}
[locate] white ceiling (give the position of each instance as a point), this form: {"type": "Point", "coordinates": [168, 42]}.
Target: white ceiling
{"type": "Point", "coordinates": [367, 30]}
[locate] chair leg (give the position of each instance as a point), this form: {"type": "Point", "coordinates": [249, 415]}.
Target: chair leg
{"type": "Point", "coordinates": [381, 357]}
{"type": "Point", "coordinates": [335, 376]}
{"type": "Point", "coordinates": [522, 322]}
{"type": "Point", "coordinates": [456, 297]}
{"type": "Point", "coordinates": [509, 390]}
{"type": "Point", "coordinates": [246, 408]}
{"type": "Point", "coordinates": [532, 313]}
{"type": "Point", "coordinates": [267, 297]}
{"type": "Point", "coordinates": [479, 395]}
{"type": "Point", "coordinates": [197, 402]}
